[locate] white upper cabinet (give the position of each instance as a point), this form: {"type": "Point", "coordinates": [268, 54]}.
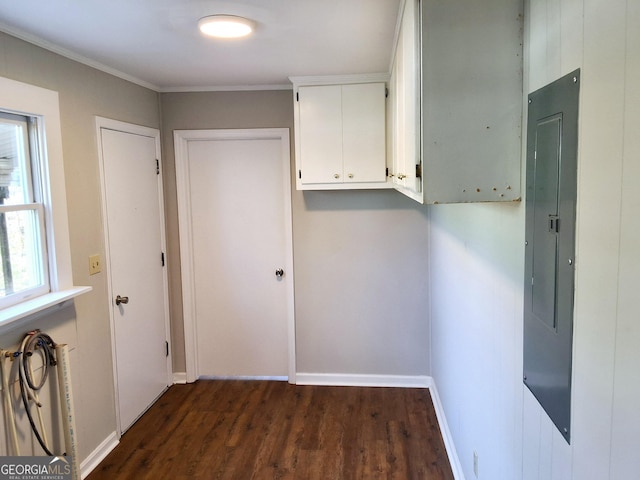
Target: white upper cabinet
{"type": "Point", "coordinates": [455, 103]}
{"type": "Point", "coordinates": [340, 133]}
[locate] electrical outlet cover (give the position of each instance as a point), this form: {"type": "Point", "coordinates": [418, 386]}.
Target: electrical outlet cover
{"type": "Point", "coordinates": [95, 265]}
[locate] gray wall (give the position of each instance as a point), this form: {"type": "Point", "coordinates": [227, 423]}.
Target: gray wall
{"type": "Point", "coordinates": [359, 257]}
{"type": "Point", "coordinates": [83, 92]}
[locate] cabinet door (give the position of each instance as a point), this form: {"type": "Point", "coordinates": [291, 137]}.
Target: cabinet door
{"type": "Point", "coordinates": [471, 101]}
{"type": "Point", "coordinates": [363, 132]}
{"type": "Point", "coordinates": [397, 108]}
{"type": "Point", "coordinates": [320, 130]}
{"type": "Point", "coordinates": [405, 82]}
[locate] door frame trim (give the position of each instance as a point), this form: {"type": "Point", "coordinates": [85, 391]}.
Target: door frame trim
{"type": "Point", "coordinates": [124, 127]}
{"type": "Point", "coordinates": [181, 141]}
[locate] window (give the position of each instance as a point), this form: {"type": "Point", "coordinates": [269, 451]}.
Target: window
{"type": "Point", "coordinates": [35, 256]}
{"type": "Point", "coordinates": [23, 257]}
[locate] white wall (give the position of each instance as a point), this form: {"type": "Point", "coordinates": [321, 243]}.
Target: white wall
{"type": "Point", "coordinates": [477, 264]}
{"type": "Point", "coordinates": [603, 39]}
{"type": "Point", "coordinates": [476, 261]}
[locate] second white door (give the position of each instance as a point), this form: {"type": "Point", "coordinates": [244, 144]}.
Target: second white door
{"type": "Point", "coordinates": [240, 259]}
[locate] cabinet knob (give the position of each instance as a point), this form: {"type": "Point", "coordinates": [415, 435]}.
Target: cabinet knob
{"type": "Point", "coordinates": [351, 175]}
{"type": "Point", "coordinates": [401, 176]}
{"type": "Point", "coordinates": [335, 175]}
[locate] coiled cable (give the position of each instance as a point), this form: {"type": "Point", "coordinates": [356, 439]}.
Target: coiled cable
{"type": "Point", "coordinates": [42, 343]}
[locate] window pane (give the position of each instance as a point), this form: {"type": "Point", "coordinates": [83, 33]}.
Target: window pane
{"type": "Point", "coordinates": [15, 165]}
{"type": "Point", "coordinates": [20, 248]}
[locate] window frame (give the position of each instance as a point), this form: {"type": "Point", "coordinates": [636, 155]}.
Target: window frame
{"type": "Point", "coordinates": [30, 166]}
{"type": "Point", "coordinates": [31, 101]}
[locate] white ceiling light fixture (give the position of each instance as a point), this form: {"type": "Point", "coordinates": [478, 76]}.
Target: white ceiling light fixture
{"type": "Point", "coordinates": [226, 26]}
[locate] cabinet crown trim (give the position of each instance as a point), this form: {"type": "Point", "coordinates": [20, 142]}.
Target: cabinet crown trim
{"type": "Point", "coordinates": [340, 79]}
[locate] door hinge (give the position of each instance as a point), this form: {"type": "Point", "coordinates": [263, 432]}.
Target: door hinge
{"type": "Point", "coordinates": [297, 96]}
{"type": "Point", "coordinates": [162, 258]}
{"type": "Point", "coordinates": [386, 92]}
{"type": "Point", "coordinates": [166, 346]}
{"type": "Point", "coordinates": [300, 174]}
{"type": "Point", "coordinates": [419, 170]}
{"type": "Point", "coordinates": [157, 166]}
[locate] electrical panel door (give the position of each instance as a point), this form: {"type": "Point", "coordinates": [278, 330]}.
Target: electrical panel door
{"type": "Point", "coordinates": [552, 142]}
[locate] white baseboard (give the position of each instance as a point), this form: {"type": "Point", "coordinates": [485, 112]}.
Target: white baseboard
{"type": "Point", "coordinates": [99, 454]}
{"type": "Point", "coordinates": [179, 378]}
{"type": "Point", "coordinates": [454, 461]}
{"type": "Point", "coordinates": [350, 380]}
{"type": "Point", "coordinates": [243, 377]}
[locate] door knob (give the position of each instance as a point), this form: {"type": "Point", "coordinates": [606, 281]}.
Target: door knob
{"type": "Point", "coordinates": [279, 273]}
{"type": "Point", "coordinates": [120, 300]}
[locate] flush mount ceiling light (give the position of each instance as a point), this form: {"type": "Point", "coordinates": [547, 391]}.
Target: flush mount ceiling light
{"type": "Point", "coordinates": [225, 26]}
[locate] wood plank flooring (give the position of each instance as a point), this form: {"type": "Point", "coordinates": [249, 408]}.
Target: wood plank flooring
{"type": "Point", "coordinates": [241, 430]}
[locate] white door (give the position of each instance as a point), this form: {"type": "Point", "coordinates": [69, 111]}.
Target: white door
{"type": "Point", "coordinates": [135, 231]}
{"type": "Point", "coordinates": [235, 231]}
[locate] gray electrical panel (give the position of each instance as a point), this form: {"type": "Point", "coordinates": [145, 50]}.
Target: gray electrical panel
{"type": "Point", "coordinates": [552, 144]}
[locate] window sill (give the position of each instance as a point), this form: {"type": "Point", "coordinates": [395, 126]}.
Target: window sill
{"type": "Point", "coordinates": [17, 312]}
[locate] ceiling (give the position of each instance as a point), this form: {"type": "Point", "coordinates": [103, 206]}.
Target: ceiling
{"type": "Point", "coordinates": [156, 43]}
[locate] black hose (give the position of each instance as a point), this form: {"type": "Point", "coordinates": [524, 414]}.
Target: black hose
{"type": "Point", "coordinates": [43, 341]}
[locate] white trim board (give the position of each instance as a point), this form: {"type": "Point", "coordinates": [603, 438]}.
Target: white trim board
{"type": "Point", "coordinates": [299, 81]}
{"type": "Point", "coordinates": [179, 378]}
{"type": "Point", "coordinates": [40, 42]}
{"type": "Point", "coordinates": [244, 377]}
{"type": "Point", "coordinates": [363, 380]}
{"type": "Point", "coordinates": [226, 88]}
{"type": "Point", "coordinates": [99, 454]}
{"type": "Point", "coordinates": [454, 461]}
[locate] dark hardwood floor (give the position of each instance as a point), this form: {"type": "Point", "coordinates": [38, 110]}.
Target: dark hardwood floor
{"type": "Point", "coordinates": [241, 430]}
